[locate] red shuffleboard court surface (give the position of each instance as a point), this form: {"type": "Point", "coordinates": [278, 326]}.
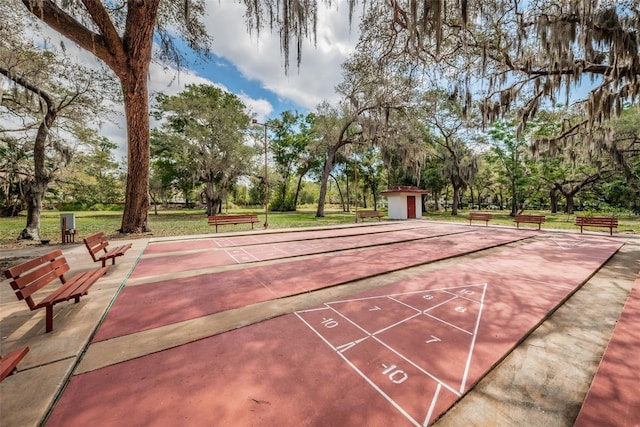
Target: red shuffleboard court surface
{"type": "Point", "coordinates": [236, 250]}
{"type": "Point", "coordinates": [613, 397]}
{"type": "Point", "coordinates": [397, 355]}
{"type": "Point", "coordinates": [213, 241]}
{"type": "Point", "coordinates": [187, 298]}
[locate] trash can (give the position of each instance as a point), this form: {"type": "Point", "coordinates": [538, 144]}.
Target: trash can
{"type": "Point", "coordinates": [68, 227]}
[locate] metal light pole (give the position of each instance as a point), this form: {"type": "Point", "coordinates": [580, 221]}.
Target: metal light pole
{"type": "Point", "coordinates": [266, 177]}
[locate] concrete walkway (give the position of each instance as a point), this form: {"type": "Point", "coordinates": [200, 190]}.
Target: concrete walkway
{"type": "Point", "coordinates": [542, 382]}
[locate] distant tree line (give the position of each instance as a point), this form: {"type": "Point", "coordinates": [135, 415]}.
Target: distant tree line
{"type": "Point", "coordinates": [461, 98]}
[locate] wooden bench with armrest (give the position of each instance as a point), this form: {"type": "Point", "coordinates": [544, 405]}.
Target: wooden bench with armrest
{"type": "Point", "coordinates": [369, 214]}
{"type": "Point", "coordinates": [9, 362]}
{"type": "Point", "coordinates": [480, 216]}
{"type": "Point", "coordinates": [233, 220]}
{"type": "Point", "coordinates": [97, 245]}
{"type": "Point", "coordinates": [597, 221]}
{"type": "Point", "coordinates": [29, 277]}
{"type": "Point", "coordinates": [531, 219]}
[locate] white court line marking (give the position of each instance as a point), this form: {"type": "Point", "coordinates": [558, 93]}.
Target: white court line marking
{"type": "Point", "coordinates": [371, 383]}
{"type": "Point", "coordinates": [433, 377]}
{"type": "Point", "coordinates": [397, 323]}
{"type": "Point", "coordinates": [448, 324]}
{"type": "Point", "coordinates": [442, 303]}
{"type": "Point", "coordinates": [423, 291]}
{"type": "Point", "coordinates": [220, 242]}
{"type": "Point", "coordinates": [577, 242]}
{"type": "Point", "coordinates": [473, 341]}
{"type": "Point", "coordinates": [418, 367]}
{"type": "Point", "coordinates": [412, 307]}
{"type": "Point", "coordinates": [346, 318]}
{"type": "Point", "coordinates": [242, 251]}
{"type": "Point", "coordinates": [432, 407]}
{"type": "Point", "coordinates": [439, 383]}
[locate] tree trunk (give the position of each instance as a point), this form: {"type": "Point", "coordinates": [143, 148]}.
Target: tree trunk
{"type": "Point", "coordinates": [35, 195]}
{"type": "Point", "coordinates": [136, 207]}
{"type": "Point", "coordinates": [324, 182]}
{"type": "Point", "coordinates": [570, 203]}
{"type": "Point", "coordinates": [298, 188]}
{"type": "Point", "coordinates": [348, 194]}
{"type": "Point", "coordinates": [210, 200]}
{"type": "Point", "coordinates": [129, 56]}
{"type": "Point", "coordinates": [35, 189]}
{"type": "Point", "coordinates": [553, 200]}
{"type": "Point", "coordinates": [345, 208]}
{"type": "Point", "coordinates": [456, 200]}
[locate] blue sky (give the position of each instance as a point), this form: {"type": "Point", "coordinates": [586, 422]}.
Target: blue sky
{"type": "Point", "coordinates": [249, 65]}
{"type": "Point", "coordinates": [225, 73]}
{"type": "Point", "coordinates": [252, 66]}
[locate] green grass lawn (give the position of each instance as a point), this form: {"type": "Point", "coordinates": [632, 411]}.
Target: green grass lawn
{"type": "Point", "coordinates": [194, 221]}
{"type": "Point", "coordinates": [166, 223]}
{"type": "Point", "coordinates": [627, 223]}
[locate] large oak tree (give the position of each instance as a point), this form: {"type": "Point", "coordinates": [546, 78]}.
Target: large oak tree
{"type": "Point", "coordinates": [121, 34]}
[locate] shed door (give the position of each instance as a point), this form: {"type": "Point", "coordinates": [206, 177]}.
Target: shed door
{"type": "Point", "coordinates": [411, 206]}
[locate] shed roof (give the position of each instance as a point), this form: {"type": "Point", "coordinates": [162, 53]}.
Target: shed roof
{"type": "Point", "coordinates": [404, 189]}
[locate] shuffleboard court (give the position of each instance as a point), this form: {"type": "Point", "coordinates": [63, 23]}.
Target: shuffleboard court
{"type": "Point", "coordinates": [613, 396]}
{"type": "Point", "coordinates": [234, 253]}
{"type": "Point", "coordinates": [186, 298]}
{"type": "Point", "coordinates": [212, 242]}
{"type": "Point", "coordinates": [400, 354]}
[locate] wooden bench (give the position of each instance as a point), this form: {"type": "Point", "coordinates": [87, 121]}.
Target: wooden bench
{"type": "Point", "coordinates": [369, 214]}
{"type": "Point", "coordinates": [486, 217]}
{"type": "Point", "coordinates": [9, 362]}
{"type": "Point", "coordinates": [29, 277]}
{"type": "Point", "coordinates": [531, 219]}
{"type": "Point", "coordinates": [97, 245]}
{"type": "Point", "coordinates": [233, 219]}
{"type": "Point", "coordinates": [597, 221]}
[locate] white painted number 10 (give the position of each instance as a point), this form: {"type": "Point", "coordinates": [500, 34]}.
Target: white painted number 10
{"type": "Point", "coordinates": [329, 323]}
{"type": "Point", "coordinates": [396, 376]}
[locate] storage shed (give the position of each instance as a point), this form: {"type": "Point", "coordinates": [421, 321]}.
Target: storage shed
{"type": "Point", "coordinates": [404, 202]}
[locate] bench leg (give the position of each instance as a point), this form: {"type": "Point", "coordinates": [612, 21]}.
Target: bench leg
{"type": "Point", "coordinates": [49, 319]}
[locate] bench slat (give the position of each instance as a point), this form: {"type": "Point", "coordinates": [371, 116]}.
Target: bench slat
{"type": "Point", "coordinates": [31, 264]}
{"type": "Point", "coordinates": [9, 362]}
{"type": "Point", "coordinates": [532, 219]}
{"type": "Point", "coordinates": [33, 275]}
{"type": "Point", "coordinates": [97, 245]}
{"type": "Point", "coordinates": [597, 221]}
{"type": "Point", "coordinates": [233, 219]}
{"type": "Point", "coordinates": [480, 216]}
{"type": "Point", "coordinates": [75, 287]}
{"type": "Point", "coordinates": [369, 214]}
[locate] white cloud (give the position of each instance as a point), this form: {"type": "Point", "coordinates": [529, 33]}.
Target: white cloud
{"type": "Point", "coordinates": [259, 57]}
